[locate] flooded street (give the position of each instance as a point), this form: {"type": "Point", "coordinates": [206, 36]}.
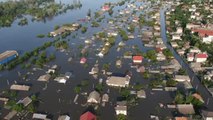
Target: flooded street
{"type": "Point", "coordinates": [56, 98]}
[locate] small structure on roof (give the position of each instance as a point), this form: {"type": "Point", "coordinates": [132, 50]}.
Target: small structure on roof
{"type": "Point", "coordinates": [20, 87]}
{"type": "Point", "coordinates": [94, 97]}
{"type": "Point", "coordinates": [45, 77]}
{"type": "Point", "coordinates": [88, 116]}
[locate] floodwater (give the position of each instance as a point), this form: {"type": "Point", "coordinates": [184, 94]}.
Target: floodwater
{"type": "Point", "coordinates": [57, 98]}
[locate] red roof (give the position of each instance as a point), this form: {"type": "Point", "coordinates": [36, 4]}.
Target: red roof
{"type": "Point", "coordinates": [106, 7]}
{"type": "Point", "coordinates": [201, 55]}
{"type": "Point", "coordinates": [137, 57]}
{"type": "Point", "coordinates": [203, 32]}
{"type": "Point", "coordinates": [83, 59]}
{"type": "Point", "coordinates": [88, 116]}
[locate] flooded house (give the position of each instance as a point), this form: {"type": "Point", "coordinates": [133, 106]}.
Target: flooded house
{"type": "Point", "coordinates": [94, 97]}
{"type": "Point", "coordinates": [105, 98]}
{"type": "Point", "coordinates": [7, 56]}
{"type": "Point", "coordinates": [83, 60]}
{"type": "Point", "coordinates": [52, 69]}
{"type": "Point", "coordinates": [20, 87]}
{"type": "Point", "coordinates": [88, 116]}
{"type": "Point", "coordinates": [94, 70]}
{"type": "Point", "coordinates": [40, 116]}
{"type": "Point", "coordinates": [141, 94]}
{"type": "Point", "coordinates": [68, 75]}
{"type": "Point", "coordinates": [137, 59]}
{"type": "Point", "coordinates": [182, 78]}
{"type": "Point", "coordinates": [118, 81]}
{"type": "Point", "coordinates": [45, 77]}
{"type": "Point", "coordinates": [185, 109]}
{"type": "Point", "coordinates": [64, 117]}
{"type": "Point", "coordinates": [121, 108]}
{"type": "Point", "coordinates": [207, 114]}
{"type": "Point", "coordinates": [160, 56]}
{"type": "Point", "coordinates": [4, 99]}
{"type": "Point", "coordinates": [26, 101]}
{"type": "Point", "coordinates": [118, 63]}
{"type": "Point", "coordinates": [10, 115]}
{"type": "Point", "coordinates": [61, 79]}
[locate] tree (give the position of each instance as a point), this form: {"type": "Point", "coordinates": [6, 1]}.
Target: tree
{"type": "Point", "coordinates": [146, 75]}
{"type": "Point", "coordinates": [167, 53]}
{"type": "Point", "coordinates": [18, 107]}
{"type": "Point", "coordinates": [179, 98]}
{"type": "Point", "coordinates": [182, 71]}
{"type": "Point", "coordinates": [121, 117]}
{"type": "Point", "coordinates": [125, 93]}
{"type": "Point", "coordinates": [77, 89]}
{"type": "Point", "coordinates": [84, 29]}
{"type": "Point", "coordinates": [171, 83]}
{"type": "Point", "coordinates": [151, 54]}
{"type": "Point", "coordinates": [106, 66]}
{"type": "Point", "coordinates": [99, 87]}
{"type": "Point", "coordinates": [31, 108]}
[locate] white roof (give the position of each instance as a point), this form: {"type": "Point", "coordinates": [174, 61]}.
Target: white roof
{"type": "Point", "coordinates": [39, 116]}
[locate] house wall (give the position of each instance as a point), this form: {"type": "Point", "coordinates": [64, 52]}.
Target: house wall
{"type": "Point", "coordinates": [208, 39]}
{"type": "Point", "coordinates": [121, 112]}
{"type": "Point", "coordinates": [8, 59]}
{"type": "Point", "coordinates": [190, 59]}
{"type": "Point", "coordinates": [200, 59]}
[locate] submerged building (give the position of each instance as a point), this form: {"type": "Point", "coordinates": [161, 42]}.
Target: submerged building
{"type": "Point", "coordinates": [7, 56]}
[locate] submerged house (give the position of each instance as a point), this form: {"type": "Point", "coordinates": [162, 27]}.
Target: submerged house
{"type": "Point", "coordinates": [64, 117]}
{"type": "Point", "coordinates": [45, 77]}
{"type": "Point", "coordinates": [118, 81]}
{"type": "Point", "coordinates": [7, 56]}
{"type": "Point", "coordinates": [20, 87]}
{"type": "Point", "coordinates": [94, 97]}
{"type": "Point", "coordinates": [88, 116]}
{"type": "Point", "coordinates": [121, 108]}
